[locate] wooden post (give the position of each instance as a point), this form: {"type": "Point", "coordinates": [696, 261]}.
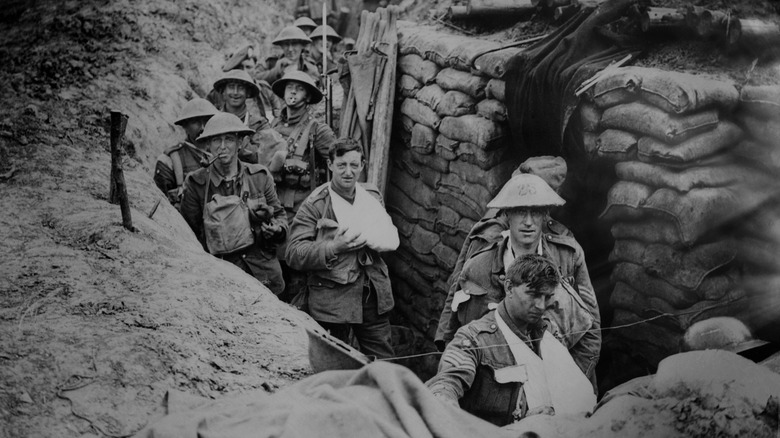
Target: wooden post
{"type": "Point", "coordinates": [761, 38]}
{"type": "Point", "coordinates": [118, 189]}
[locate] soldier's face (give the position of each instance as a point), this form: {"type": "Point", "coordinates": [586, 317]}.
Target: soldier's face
{"type": "Point", "coordinates": [295, 94]}
{"type": "Point", "coordinates": [292, 50]}
{"type": "Point", "coordinates": [235, 94]}
{"type": "Point", "coordinates": [527, 305]}
{"type": "Point", "coordinates": [346, 170]}
{"type": "Point", "coordinates": [225, 147]}
{"type": "Point", "coordinates": [194, 127]}
{"type": "Point", "coordinates": [525, 225]}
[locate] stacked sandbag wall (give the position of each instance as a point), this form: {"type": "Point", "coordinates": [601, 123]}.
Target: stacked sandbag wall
{"type": "Point", "coordinates": [692, 202]}
{"type": "Point", "coordinates": [450, 155]}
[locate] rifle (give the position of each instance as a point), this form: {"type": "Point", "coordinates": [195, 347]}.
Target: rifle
{"type": "Point", "coordinates": [328, 88]}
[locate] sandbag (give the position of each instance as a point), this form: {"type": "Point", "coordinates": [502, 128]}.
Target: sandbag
{"type": "Point", "coordinates": [447, 220]}
{"type": "Point", "coordinates": [455, 240]}
{"type": "Point", "coordinates": [485, 160]}
{"type": "Point", "coordinates": [682, 180]}
{"type": "Point", "coordinates": [407, 124]}
{"type": "Point", "coordinates": [697, 147]}
{"type": "Point", "coordinates": [475, 193]}
{"type": "Point", "coordinates": [419, 193]}
{"type": "Point", "coordinates": [472, 128]}
{"type": "Point", "coordinates": [461, 204]}
{"type": "Point", "coordinates": [399, 203]}
{"type": "Point", "coordinates": [455, 103]}
{"type": "Point", "coordinates": [626, 297]}
{"type": "Point", "coordinates": [408, 86]}
{"type": "Point", "coordinates": [432, 161]}
{"type": "Point", "coordinates": [458, 51]}
{"type": "Point", "coordinates": [648, 120]}
{"type": "Point", "coordinates": [627, 251]}
{"type": "Point", "coordinates": [492, 109]}
{"type": "Point", "coordinates": [403, 226]}
{"type": "Point", "coordinates": [494, 63]}
{"type": "Point", "coordinates": [422, 70]}
{"type": "Point", "coordinates": [760, 156]}
{"type": "Point", "coordinates": [445, 256]}
{"type": "Point", "coordinates": [713, 287]}
{"type": "Point", "coordinates": [496, 89]}
{"type": "Point", "coordinates": [413, 258]}
{"type": "Point", "coordinates": [763, 223]}
{"type": "Point", "coordinates": [686, 269]}
{"type": "Point", "coordinates": [679, 93]}
{"type": "Point", "coordinates": [618, 86]}
{"type": "Point", "coordinates": [763, 131]}
{"type": "Point", "coordinates": [447, 148]}
{"type": "Point", "coordinates": [616, 145]}
{"type": "Point", "coordinates": [423, 139]}
{"type": "Point", "coordinates": [702, 210]}
{"type": "Point", "coordinates": [590, 116]}
{"type": "Point", "coordinates": [651, 333]}
{"type": "Point", "coordinates": [451, 79]}
{"type": "Point", "coordinates": [428, 176]}
{"type": "Point", "coordinates": [431, 95]}
{"type": "Point", "coordinates": [624, 200]}
{"type": "Point", "coordinates": [492, 180]}
{"type": "Point", "coordinates": [762, 101]}
{"type": "Point", "coordinates": [401, 268]}
{"type": "Point", "coordinates": [420, 113]}
{"type": "Point", "coordinates": [649, 230]}
{"type": "Point", "coordinates": [423, 241]}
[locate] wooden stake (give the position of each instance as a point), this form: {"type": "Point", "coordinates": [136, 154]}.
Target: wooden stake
{"type": "Point", "coordinates": [118, 189]}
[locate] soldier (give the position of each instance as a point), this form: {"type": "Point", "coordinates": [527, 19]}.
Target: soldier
{"type": "Point", "coordinates": [301, 167]}
{"type": "Point", "coordinates": [306, 24]}
{"type": "Point", "coordinates": [336, 238]}
{"type": "Point", "coordinates": [178, 161]}
{"type": "Point", "coordinates": [293, 42]}
{"type": "Point", "coordinates": [238, 91]}
{"type": "Point", "coordinates": [506, 365]}
{"type": "Point", "coordinates": [315, 51]}
{"type": "Point", "coordinates": [524, 201]}
{"type": "Point", "coordinates": [489, 229]}
{"type": "Point", "coordinates": [246, 59]}
{"type": "Point", "coordinates": [232, 206]}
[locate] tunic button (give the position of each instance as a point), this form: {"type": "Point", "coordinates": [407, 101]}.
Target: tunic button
{"type": "Point", "coordinates": [549, 237]}
{"type": "Point", "coordinates": [243, 256]}
{"type": "Point", "coordinates": [502, 277]}
{"type": "Point", "coordinates": [466, 343]}
{"type": "Point", "coordinates": [492, 326]}
{"type": "Point", "coordinates": [549, 223]}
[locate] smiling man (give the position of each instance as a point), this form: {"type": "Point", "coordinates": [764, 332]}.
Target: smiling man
{"type": "Point", "coordinates": [506, 365]}
{"type": "Point", "coordinates": [574, 318]}
{"type": "Point", "coordinates": [232, 206]}
{"type": "Point", "coordinates": [336, 238]}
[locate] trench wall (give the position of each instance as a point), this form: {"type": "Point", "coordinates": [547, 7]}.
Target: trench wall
{"type": "Point", "coordinates": [693, 212]}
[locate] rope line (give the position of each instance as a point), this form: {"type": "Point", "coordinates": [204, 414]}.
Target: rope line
{"type": "Point", "coordinates": [622, 326]}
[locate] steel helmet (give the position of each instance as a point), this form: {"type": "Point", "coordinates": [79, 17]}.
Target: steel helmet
{"type": "Point", "coordinates": [330, 33]}
{"type": "Point", "coordinates": [315, 95]}
{"type": "Point", "coordinates": [195, 108]}
{"type": "Point", "coordinates": [722, 333]}
{"type": "Point", "coordinates": [306, 24]}
{"type": "Point", "coordinates": [224, 123]}
{"type": "Point", "coordinates": [291, 34]}
{"type": "Point", "coordinates": [551, 169]}
{"type": "Point", "coordinates": [526, 190]}
{"type": "Point", "coordinates": [241, 77]}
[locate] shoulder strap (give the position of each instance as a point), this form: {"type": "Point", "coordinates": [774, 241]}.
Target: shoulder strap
{"type": "Point", "coordinates": [178, 168]}
{"type": "Point", "coordinates": [206, 197]}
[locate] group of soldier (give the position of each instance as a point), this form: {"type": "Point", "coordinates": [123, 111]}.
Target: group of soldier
{"type": "Point", "coordinates": [267, 186]}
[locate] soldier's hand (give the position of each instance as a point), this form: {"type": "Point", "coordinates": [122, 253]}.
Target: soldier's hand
{"type": "Point", "coordinates": [346, 240]}
{"type": "Point", "coordinates": [270, 230]}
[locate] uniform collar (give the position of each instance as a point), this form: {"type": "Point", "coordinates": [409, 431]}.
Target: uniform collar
{"type": "Point", "coordinates": [218, 179]}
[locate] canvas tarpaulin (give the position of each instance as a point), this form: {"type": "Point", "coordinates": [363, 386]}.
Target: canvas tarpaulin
{"type": "Point", "coordinates": [541, 80]}
{"type": "Point", "coordinates": [379, 400]}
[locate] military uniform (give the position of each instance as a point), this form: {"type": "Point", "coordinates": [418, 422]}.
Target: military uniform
{"type": "Point", "coordinates": [349, 288]}
{"type": "Point", "coordinates": [488, 230]}
{"type": "Point", "coordinates": [173, 165]}
{"type": "Point", "coordinates": [479, 288]}
{"type": "Point", "coordinates": [468, 369]}
{"type": "Point", "coordinates": [303, 132]}
{"type": "Point", "coordinates": [259, 259]}
{"type": "Point", "coordinates": [274, 74]}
